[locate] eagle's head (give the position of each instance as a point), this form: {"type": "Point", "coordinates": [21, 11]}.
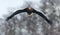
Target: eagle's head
{"type": "Point", "coordinates": [29, 11]}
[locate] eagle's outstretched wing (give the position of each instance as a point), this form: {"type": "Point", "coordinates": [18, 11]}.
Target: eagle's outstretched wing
{"type": "Point", "coordinates": [15, 13]}
{"type": "Point", "coordinates": [43, 16]}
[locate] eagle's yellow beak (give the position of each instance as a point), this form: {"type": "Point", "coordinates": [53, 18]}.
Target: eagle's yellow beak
{"type": "Point", "coordinates": [30, 15]}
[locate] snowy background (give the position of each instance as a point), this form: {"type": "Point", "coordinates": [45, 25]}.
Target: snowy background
{"type": "Point", "coordinates": [21, 24]}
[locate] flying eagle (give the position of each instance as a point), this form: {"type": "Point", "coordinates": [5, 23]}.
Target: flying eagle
{"type": "Point", "coordinates": [29, 11]}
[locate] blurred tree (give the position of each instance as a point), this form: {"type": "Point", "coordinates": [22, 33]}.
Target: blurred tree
{"type": "Point", "coordinates": [34, 25]}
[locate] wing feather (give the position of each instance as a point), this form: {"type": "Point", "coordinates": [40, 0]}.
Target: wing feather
{"type": "Point", "coordinates": [43, 16]}
{"type": "Point", "coordinates": [15, 13]}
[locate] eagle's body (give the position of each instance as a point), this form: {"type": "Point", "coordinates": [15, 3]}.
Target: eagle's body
{"type": "Point", "coordinates": [29, 11]}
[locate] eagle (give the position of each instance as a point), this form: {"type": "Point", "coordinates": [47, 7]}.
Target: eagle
{"type": "Point", "coordinates": [29, 11]}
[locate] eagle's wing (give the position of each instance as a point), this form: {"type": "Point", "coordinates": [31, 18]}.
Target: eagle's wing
{"type": "Point", "coordinates": [15, 13]}
{"type": "Point", "coordinates": [43, 16]}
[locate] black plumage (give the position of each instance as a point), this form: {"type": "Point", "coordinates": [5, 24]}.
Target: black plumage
{"type": "Point", "coordinates": [29, 12]}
